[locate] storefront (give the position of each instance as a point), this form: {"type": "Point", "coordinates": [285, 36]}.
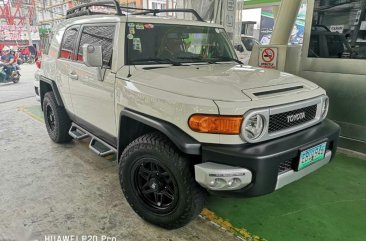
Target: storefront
{"type": "Point", "coordinates": [333, 56]}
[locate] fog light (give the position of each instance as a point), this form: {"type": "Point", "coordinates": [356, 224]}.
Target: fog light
{"type": "Point", "coordinates": [234, 182]}
{"type": "Point", "coordinates": [218, 183]}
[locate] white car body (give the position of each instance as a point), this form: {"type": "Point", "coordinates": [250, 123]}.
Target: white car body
{"type": "Point", "coordinates": [203, 89]}
{"type": "Point", "coordinates": [36, 82]}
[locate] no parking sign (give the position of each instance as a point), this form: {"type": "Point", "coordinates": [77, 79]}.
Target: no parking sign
{"type": "Point", "coordinates": [268, 58]}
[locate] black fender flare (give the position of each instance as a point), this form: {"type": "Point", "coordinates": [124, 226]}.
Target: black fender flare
{"type": "Point", "coordinates": [182, 140]}
{"type": "Point", "coordinates": [54, 88]}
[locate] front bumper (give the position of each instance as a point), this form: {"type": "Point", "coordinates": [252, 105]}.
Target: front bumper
{"type": "Point", "coordinates": [263, 160]}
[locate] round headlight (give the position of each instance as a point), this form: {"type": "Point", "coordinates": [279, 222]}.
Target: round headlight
{"type": "Point", "coordinates": [325, 107]}
{"type": "Point", "coordinates": [254, 127]}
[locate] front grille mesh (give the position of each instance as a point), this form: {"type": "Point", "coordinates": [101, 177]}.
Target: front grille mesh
{"type": "Point", "coordinates": [285, 167]}
{"type": "Point", "coordinates": [280, 122]}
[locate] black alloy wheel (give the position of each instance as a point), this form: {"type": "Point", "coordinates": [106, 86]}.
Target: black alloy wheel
{"type": "Point", "coordinates": [155, 185]}
{"type": "Point", "coordinates": [50, 117]}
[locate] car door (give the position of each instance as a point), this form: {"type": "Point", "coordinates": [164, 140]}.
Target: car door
{"type": "Point", "coordinates": [93, 99]}
{"type": "Point", "coordinates": [64, 61]}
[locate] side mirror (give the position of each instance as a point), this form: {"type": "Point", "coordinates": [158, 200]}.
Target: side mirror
{"type": "Point", "coordinates": [92, 55]}
{"type": "Point", "coordinates": [239, 48]}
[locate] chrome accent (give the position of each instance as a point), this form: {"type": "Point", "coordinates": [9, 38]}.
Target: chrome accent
{"type": "Point", "coordinates": [291, 176]}
{"type": "Point", "coordinates": [267, 112]}
{"type": "Point", "coordinates": [80, 133]}
{"type": "Point", "coordinates": [206, 173]}
{"type": "Point", "coordinates": [323, 103]}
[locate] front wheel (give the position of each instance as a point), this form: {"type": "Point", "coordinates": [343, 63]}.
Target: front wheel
{"type": "Point", "coordinates": [157, 181]}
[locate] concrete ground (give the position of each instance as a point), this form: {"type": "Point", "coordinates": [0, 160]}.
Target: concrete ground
{"type": "Point", "coordinates": [50, 189]}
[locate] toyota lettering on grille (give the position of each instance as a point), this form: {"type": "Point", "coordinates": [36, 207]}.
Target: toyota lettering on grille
{"type": "Point", "coordinates": [296, 117]}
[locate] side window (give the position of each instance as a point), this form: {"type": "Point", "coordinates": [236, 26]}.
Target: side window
{"type": "Point", "coordinates": [68, 42]}
{"type": "Point", "coordinates": [98, 35]}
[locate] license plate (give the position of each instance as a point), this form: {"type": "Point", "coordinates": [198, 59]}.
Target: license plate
{"type": "Point", "coordinates": [312, 155]}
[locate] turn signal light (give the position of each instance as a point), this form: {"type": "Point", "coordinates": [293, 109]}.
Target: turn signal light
{"type": "Point", "coordinates": [215, 124]}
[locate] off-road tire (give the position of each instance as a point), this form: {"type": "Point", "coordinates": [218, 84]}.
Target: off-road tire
{"type": "Point", "coordinates": [191, 196]}
{"type": "Point", "coordinates": [62, 123]}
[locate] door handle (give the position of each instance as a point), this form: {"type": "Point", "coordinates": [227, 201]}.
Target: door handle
{"type": "Point", "coordinates": [74, 76]}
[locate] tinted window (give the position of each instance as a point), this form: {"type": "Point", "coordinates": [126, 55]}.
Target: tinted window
{"type": "Point", "coordinates": [68, 43]}
{"type": "Point", "coordinates": [335, 46]}
{"type": "Point", "coordinates": [98, 36]}
{"type": "Point", "coordinates": [341, 29]}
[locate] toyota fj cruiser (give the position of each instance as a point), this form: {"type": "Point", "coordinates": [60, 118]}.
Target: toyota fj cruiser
{"type": "Point", "coordinates": [182, 115]}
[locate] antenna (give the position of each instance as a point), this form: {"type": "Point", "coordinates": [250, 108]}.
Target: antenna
{"type": "Point", "coordinates": [127, 44]}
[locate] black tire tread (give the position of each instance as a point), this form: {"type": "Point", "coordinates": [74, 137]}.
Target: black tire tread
{"type": "Point", "coordinates": [60, 134]}
{"type": "Point", "coordinates": [181, 162]}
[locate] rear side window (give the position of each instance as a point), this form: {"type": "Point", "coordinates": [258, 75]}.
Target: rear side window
{"type": "Point", "coordinates": [98, 36]}
{"type": "Point", "coordinates": [68, 42]}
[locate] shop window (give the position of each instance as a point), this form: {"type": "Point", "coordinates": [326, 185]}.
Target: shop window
{"type": "Point", "coordinates": [98, 36]}
{"type": "Point", "coordinates": [68, 42]}
{"type": "Point", "coordinates": [340, 29]}
{"type": "Point", "coordinates": [314, 50]}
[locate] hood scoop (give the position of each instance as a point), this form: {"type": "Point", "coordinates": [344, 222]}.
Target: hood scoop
{"type": "Point", "coordinates": [271, 92]}
{"type": "Point", "coordinates": [275, 90]}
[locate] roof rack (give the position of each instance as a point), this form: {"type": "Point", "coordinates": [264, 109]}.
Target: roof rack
{"type": "Point", "coordinates": [85, 9]}
{"type": "Point", "coordinates": [175, 10]}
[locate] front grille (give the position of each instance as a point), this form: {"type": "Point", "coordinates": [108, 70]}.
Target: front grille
{"type": "Point", "coordinates": [285, 167]}
{"type": "Point", "coordinates": [280, 121]}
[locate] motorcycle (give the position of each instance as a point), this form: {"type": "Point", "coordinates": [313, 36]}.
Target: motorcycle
{"type": "Point", "coordinates": [5, 77]}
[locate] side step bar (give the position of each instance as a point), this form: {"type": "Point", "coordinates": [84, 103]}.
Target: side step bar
{"type": "Point", "coordinates": [100, 147]}
{"type": "Point", "coordinates": [77, 132]}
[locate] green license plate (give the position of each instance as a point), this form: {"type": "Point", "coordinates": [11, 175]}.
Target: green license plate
{"type": "Point", "coordinates": [312, 155]}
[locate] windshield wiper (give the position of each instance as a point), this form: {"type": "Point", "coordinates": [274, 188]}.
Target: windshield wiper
{"type": "Point", "coordinates": [159, 61]}
{"type": "Point", "coordinates": [197, 59]}
{"type": "Point", "coordinates": [227, 59]}
{"type": "Point", "coordinates": [213, 61]}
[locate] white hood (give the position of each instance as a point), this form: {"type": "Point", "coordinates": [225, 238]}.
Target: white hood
{"type": "Point", "coordinates": [225, 82]}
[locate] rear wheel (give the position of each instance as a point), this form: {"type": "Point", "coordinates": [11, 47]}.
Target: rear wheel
{"type": "Point", "coordinates": [158, 182]}
{"type": "Point", "coordinates": [56, 119]}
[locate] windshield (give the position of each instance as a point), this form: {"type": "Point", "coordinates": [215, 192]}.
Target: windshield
{"type": "Point", "coordinates": [176, 44]}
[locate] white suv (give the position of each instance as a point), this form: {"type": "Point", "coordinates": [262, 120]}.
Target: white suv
{"type": "Point", "coordinates": [182, 115]}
